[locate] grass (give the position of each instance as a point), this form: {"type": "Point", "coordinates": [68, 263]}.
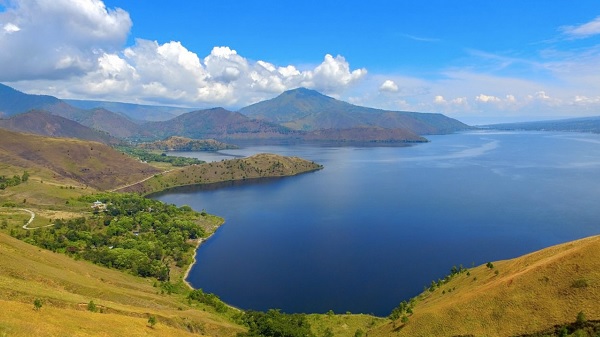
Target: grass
{"type": "Point", "coordinates": [67, 286]}
{"type": "Point", "coordinates": [345, 325]}
{"type": "Point", "coordinates": [530, 293]}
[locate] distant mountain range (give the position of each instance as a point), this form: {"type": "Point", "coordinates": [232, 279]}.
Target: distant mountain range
{"type": "Point", "coordinates": [299, 114]}
{"type": "Point", "coordinates": [587, 124]}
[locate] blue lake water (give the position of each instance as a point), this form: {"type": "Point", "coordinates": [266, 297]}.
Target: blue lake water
{"type": "Point", "coordinates": [379, 223]}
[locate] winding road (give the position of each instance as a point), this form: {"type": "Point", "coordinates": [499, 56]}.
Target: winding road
{"type": "Point", "coordinates": [25, 226]}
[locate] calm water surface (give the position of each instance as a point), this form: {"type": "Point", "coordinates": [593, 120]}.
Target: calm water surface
{"type": "Point", "coordinates": [378, 223]}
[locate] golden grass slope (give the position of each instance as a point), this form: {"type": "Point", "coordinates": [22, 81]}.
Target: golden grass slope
{"type": "Point", "coordinates": [258, 166]}
{"type": "Point", "coordinates": [527, 294]}
{"type": "Point", "coordinates": [67, 286]}
{"type": "Point", "coordinates": [88, 163]}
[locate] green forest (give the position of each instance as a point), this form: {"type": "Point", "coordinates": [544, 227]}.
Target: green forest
{"type": "Point", "coordinates": [128, 232]}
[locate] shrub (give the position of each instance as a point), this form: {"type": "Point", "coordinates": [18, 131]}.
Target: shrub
{"type": "Point", "coordinates": [580, 283]}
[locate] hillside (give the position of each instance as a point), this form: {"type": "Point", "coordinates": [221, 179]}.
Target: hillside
{"type": "Point", "coordinates": [13, 102]}
{"type": "Point", "coordinates": [588, 124]}
{"type": "Point", "coordinates": [87, 163]}
{"type": "Point", "coordinates": [304, 109]}
{"type": "Point", "coordinates": [45, 124]}
{"type": "Point", "coordinates": [253, 167]}
{"type": "Point", "coordinates": [176, 143]}
{"type": "Point", "coordinates": [66, 287]}
{"type": "Point", "coordinates": [519, 296]}
{"type": "Point", "coordinates": [216, 123]}
{"type": "Point", "coordinates": [110, 122]}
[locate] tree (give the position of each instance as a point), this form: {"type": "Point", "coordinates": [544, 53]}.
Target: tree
{"type": "Point", "coordinates": [92, 306]}
{"type": "Point", "coordinates": [152, 321]}
{"type": "Point", "coordinates": [581, 319]}
{"type": "Point", "coordinates": [37, 304]}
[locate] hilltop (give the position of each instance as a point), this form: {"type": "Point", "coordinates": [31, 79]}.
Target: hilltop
{"type": "Point", "coordinates": [513, 297]}
{"type": "Point", "coordinates": [309, 110]}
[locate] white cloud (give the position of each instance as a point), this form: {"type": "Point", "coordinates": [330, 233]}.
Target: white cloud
{"type": "Point", "coordinates": [57, 38]}
{"type": "Point", "coordinates": [439, 100]}
{"type": "Point", "coordinates": [389, 86]}
{"type": "Point", "coordinates": [11, 28]}
{"type": "Point", "coordinates": [332, 74]}
{"type": "Point", "coordinates": [585, 30]}
{"type": "Point", "coordinates": [487, 99]}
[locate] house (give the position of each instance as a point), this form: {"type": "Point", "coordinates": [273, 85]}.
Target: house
{"type": "Point", "coordinates": [99, 206]}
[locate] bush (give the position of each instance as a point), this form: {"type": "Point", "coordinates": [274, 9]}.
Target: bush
{"type": "Point", "coordinates": [580, 283]}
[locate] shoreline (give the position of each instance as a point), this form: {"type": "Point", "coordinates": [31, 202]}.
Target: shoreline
{"type": "Point", "coordinates": [198, 244]}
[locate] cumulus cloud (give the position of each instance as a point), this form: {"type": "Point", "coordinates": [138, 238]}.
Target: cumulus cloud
{"type": "Point", "coordinates": [57, 38]}
{"type": "Point", "coordinates": [79, 45]}
{"type": "Point", "coordinates": [389, 86]}
{"type": "Point", "coordinates": [582, 31]}
{"type": "Point", "coordinates": [487, 99]}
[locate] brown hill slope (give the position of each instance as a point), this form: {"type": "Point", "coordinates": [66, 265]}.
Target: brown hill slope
{"type": "Point", "coordinates": [66, 286]}
{"type": "Point", "coordinates": [90, 163]}
{"type": "Point", "coordinates": [523, 295]}
{"type": "Point", "coordinates": [45, 124]}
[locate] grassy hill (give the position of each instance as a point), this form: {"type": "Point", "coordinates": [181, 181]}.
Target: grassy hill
{"type": "Point", "coordinates": [518, 296]}
{"type": "Point", "coordinates": [82, 163]}
{"type": "Point", "coordinates": [257, 166]}
{"type": "Point", "coordinates": [66, 287]}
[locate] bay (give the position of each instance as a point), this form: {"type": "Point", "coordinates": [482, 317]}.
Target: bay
{"type": "Point", "coordinates": [377, 224]}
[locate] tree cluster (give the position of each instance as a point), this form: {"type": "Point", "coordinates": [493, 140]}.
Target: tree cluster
{"type": "Point", "coordinates": [139, 235]}
{"type": "Point", "coordinates": [14, 181]}
{"type": "Point", "coordinates": [147, 156]}
{"type": "Point", "coordinates": [276, 324]}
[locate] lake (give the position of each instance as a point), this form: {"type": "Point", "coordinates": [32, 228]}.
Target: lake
{"type": "Point", "coordinates": [377, 224]}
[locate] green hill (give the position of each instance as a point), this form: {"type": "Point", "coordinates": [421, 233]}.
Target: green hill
{"type": "Point", "coordinates": [308, 110]}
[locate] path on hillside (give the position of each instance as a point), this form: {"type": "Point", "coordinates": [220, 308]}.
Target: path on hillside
{"type": "Point", "coordinates": [25, 226]}
{"type": "Point", "coordinates": [139, 182]}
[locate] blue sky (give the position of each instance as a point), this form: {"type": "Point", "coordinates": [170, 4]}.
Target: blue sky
{"type": "Point", "coordinates": [479, 61]}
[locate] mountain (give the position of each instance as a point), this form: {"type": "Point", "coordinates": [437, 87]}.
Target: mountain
{"type": "Point", "coordinates": [304, 109]}
{"type": "Point", "coordinates": [586, 124]}
{"type": "Point", "coordinates": [89, 163]}
{"type": "Point", "coordinates": [216, 123]}
{"type": "Point", "coordinates": [43, 123]}
{"type": "Point", "coordinates": [137, 112]}
{"type": "Point", "coordinates": [113, 123]}
{"type": "Point", "coordinates": [13, 101]}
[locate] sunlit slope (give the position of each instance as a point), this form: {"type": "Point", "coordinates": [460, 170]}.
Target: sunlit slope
{"type": "Point", "coordinates": [523, 295]}
{"type": "Point", "coordinates": [66, 287]}
{"type": "Point", "coordinates": [89, 163]}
